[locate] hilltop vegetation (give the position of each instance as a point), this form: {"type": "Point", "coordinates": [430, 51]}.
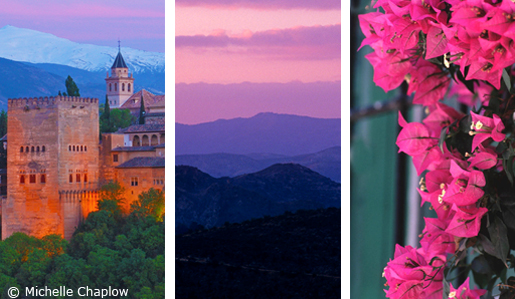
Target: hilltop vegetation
{"type": "Point", "coordinates": [294, 255]}
{"type": "Point", "coordinates": [109, 249]}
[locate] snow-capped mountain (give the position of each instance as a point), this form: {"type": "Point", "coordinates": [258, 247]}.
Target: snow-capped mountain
{"type": "Point", "coordinates": [27, 45]}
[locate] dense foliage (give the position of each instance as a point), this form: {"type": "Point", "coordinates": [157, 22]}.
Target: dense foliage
{"type": "Point", "coordinates": [71, 88]}
{"type": "Point", "coordinates": [109, 248]}
{"type": "Point", "coordinates": [294, 255]}
{"type": "Point", "coordinates": [462, 48]}
{"type": "Point", "coordinates": [113, 119]}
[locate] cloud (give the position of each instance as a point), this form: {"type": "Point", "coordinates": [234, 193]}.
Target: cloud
{"type": "Point", "coordinates": [317, 42]}
{"type": "Point", "coordinates": [264, 4]}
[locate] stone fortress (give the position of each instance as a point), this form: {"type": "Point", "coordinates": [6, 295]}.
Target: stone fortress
{"type": "Point", "coordinates": [56, 162]}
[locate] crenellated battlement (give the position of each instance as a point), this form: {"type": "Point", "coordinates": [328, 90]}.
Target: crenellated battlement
{"type": "Point", "coordinates": [42, 102]}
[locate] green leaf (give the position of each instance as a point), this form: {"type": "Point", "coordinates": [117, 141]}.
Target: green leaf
{"type": "Point", "coordinates": [501, 147]}
{"type": "Point", "coordinates": [499, 236]}
{"type": "Point", "coordinates": [508, 215]}
{"type": "Point", "coordinates": [506, 79]}
{"type": "Point", "coordinates": [446, 289]}
{"type": "Point", "coordinates": [480, 265]}
{"type": "Point", "coordinates": [488, 247]}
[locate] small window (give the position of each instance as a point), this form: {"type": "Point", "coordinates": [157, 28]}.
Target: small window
{"type": "Point", "coordinates": [85, 178]}
{"type": "Point", "coordinates": [162, 182]}
{"type": "Point", "coordinates": [71, 178]}
{"type": "Point", "coordinates": [43, 148]}
{"type": "Point", "coordinates": [22, 179]}
{"type": "Point", "coordinates": [77, 178]}
{"type": "Point", "coordinates": [115, 87]}
{"type": "Point", "coordinates": [21, 149]}
{"type": "Point", "coordinates": [37, 149]}
{"type": "Point", "coordinates": [32, 149]}
{"type": "Point", "coordinates": [123, 86]}
{"type": "Point", "coordinates": [109, 86]}
{"type": "Point", "coordinates": [69, 148]}
{"type": "Point", "coordinates": [129, 87]}
{"type": "Point", "coordinates": [43, 179]}
{"type": "Point", "coordinates": [85, 148]}
{"type": "Point", "coordinates": [81, 148]}
{"type": "Point", "coordinates": [115, 158]}
{"type": "Point", "coordinates": [27, 149]}
{"type": "Point", "coordinates": [134, 181]}
{"type": "Point", "coordinates": [32, 178]}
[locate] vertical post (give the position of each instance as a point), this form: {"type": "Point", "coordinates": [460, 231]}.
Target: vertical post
{"type": "Point", "coordinates": [401, 178]}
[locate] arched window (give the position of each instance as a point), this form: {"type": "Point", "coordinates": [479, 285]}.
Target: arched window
{"type": "Point", "coordinates": [81, 148]}
{"type": "Point", "coordinates": [162, 138]}
{"type": "Point", "coordinates": [69, 148]}
{"type": "Point", "coordinates": [43, 148]}
{"type": "Point", "coordinates": [32, 149]}
{"type": "Point", "coordinates": [27, 149]}
{"type": "Point", "coordinates": [73, 148]}
{"type": "Point", "coordinates": [109, 86]}
{"type": "Point", "coordinates": [123, 86]}
{"type": "Point", "coordinates": [22, 179]}
{"type": "Point", "coordinates": [153, 140]}
{"type": "Point", "coordinates": [43, 179]}
{"type": "Point", "coordinates": [144, 140]}
{"type": "Point", "coordinates": [77, 178]}
{"type": "Point", "coordinates": [71, 178]}
{"type": "Point", "coordinates": [129, 87]}
{"type": "Point", "coordinates": [85, 148]}
{"type": "Point", "coordinates": [116, 87]}
{"type": "Point", "coordinates": [37, 149]}
{"type": "Point", "coordinates": [21, 149]}
{"type": "Point", "coordinates": [32, 178]}
{"type": "Point", "coordinates": [85, 178]}
{"type": "Point", "coordinates": [135, 141]}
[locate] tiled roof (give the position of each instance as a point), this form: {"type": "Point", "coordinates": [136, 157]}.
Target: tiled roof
{"type": "Point", "coordinates": [143, 162]}
{"type": "Point", "coordinates": [144, 128]}
{"type": "Point", "coordinates": [150, 99]}
{"type": "Point", "coordinates": [119, 62]}
{"type": "Point", "coordinates": [133, 149]}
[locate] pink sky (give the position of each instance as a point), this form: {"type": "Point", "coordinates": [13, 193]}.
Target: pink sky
{"type": "Point", "coordinates": [139, 24]}
{"type": "Point", "coordinates": [256, 41]}
{"type": "Point", "coordinates": [232, 41]}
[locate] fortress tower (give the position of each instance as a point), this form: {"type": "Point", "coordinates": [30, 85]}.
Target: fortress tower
{"type": "Point", "coordinates": [53, 165]}
{"type": "Point", "coordinates": [120, 85]}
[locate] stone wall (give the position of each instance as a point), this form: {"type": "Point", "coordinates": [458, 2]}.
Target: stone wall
{"type": "Point", "coordinates": [53, 148]}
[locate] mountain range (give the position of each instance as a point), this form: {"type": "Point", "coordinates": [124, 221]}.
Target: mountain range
{"type": "Point", "coordinates": [34, 64]}
{"type": "Point", "coordinates": [271, 133]}
{"type": "Point", "coordinates": [201, 199]}
{"type": "Point", "coordinates": [326, 163]}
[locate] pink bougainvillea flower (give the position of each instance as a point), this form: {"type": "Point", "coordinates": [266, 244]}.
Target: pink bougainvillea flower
{"type": "Point", "coordinates": [414, 138]}
{"type": "Point", "coordinates": [483, 160]}
{"type": "Point", "coordinates": [442, 209]}
{"type": "Point", "coordinates": [483, 127]}
{"type": "Point", "coordinates": [465, 188]}
{"type": "Point", "coordinates": [483, 69]}
{"type": "Point", "coordinates": [436, 42]}
{"type": "Point", "coordinates": [427, 160]}
{"type": "Point", "coordinates": [390, 69]}
{"type": "Point", "coordinates": [464, 292]}
{"type": "Point", "coordinates": [441, 116]}
{"type": "Point", "coordinates": [481, 91]}
{"type": "Point", "coordinates": [466, 221]}
{"type": "Point", "coordinates": [407, 275]}
{"type": "Point", "coordinates": [435, 240]}
{"type": "Point", "coordinates": [373, 27]}
{"type": "Point", "coordinates": [428, 82]}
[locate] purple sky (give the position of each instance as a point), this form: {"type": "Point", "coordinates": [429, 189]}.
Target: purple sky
{"type": "Point", "coordinates": [139, 24]}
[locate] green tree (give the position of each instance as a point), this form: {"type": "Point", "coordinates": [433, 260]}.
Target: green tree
{"type": "Point", "coordinates": [142, 111]}
{"type": "Point", "coordinates": [71, 88]}
{"type": "Point", "coordinates": [3, 123]}
{"type": "Point", "coordinates": [105, 118]}
{"type": "Point", "coordinates": [149, 203]}
{"type": "Point", "coordinates": [113, 119]}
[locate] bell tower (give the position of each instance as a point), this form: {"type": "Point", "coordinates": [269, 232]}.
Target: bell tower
{"type": "Point", "coordinates": [120, 84]}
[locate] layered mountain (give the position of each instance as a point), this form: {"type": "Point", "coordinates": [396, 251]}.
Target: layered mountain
{"type": "Point", "coordinates": [208, 201]}
{"type": "Point", "coordinates": [279, 134]}
{"type": "Point", "coordinates": [326, 162]}
{"type": "Point", "coordinates": [294, 255]}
